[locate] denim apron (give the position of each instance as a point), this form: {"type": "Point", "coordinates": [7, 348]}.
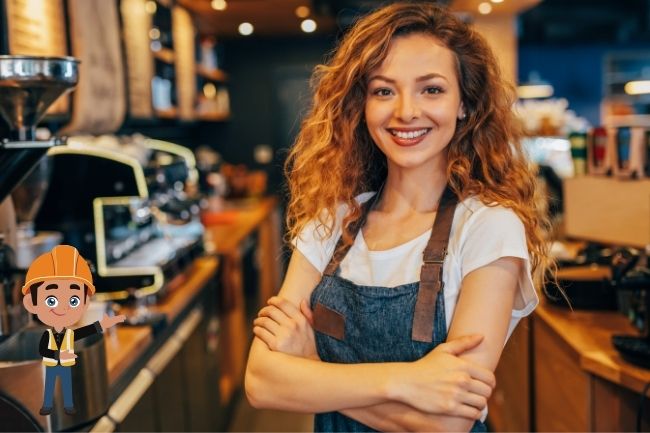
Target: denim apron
{"type": "Point", "coordinates": [362, 324]}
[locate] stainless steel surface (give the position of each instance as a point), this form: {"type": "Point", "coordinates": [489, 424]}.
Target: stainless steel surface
{"type": "Point", "coordinates": [30, 246]}
{"type": "Point", "coordinates": [29, 85]}
{"type": "Point", "coordinates": [29, 194]}
{"type": "Point", "coordinates": [22, 378]}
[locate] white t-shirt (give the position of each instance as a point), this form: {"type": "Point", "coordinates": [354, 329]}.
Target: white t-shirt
{"type": "Point", "coordinates": [479, 236]}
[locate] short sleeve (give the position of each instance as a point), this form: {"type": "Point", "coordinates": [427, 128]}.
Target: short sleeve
{"type": "Point", "coordinates": [492, 233]}
{"type": "Point", "coordinates": [313, 242]}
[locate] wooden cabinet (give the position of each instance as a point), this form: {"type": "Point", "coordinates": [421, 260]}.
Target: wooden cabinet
{"type": "Point", "coordinates": [559, 372]}
{"type": "Point", "coordinates": [510, 403]}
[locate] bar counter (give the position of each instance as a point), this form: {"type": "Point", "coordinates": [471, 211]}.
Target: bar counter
{"type": "Point", "coordinates": [560, 372]}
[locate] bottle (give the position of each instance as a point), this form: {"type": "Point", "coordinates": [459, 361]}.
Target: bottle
{"type": "Point", "coordinates": [578, 142]}
{"type": "Point", "coordinates": [598, 152]}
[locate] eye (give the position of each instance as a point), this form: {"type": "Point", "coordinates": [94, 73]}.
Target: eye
{"type": "Point", "coordinates": [382, 91]}
{"type": "Point", "coordinates": [51, 301]}
{"type": "Point", "coordinates": [74, 301]}
{"type": "Point", "coordinates": [432, 90]}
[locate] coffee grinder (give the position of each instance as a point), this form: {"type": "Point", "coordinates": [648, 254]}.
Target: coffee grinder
{"type": "Point", "coordinates": [28, 86]}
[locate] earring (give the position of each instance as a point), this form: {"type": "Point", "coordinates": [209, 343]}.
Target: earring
{"type": "Point", "coordinates": [463, 116]}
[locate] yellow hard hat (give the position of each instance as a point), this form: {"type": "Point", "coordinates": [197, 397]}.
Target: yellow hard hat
{"type": "Point", "coordinates": [63, 262]}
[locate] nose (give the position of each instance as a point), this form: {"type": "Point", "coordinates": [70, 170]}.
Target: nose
{"type": "Point", "coordinates": [407, 108]}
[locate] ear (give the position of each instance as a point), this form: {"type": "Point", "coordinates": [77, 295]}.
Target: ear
{"type": "Point", "coordinates": [27, 302]}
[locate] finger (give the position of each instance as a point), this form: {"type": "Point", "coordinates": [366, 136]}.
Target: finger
{"type": "Point", "coordinates": [268, 324]}
{"type": "Point", "coordinates": [480, 388]}
{"type": "Point", "coordinates": [119, 319]}
{"type": "Point", "coordinates": [477, 401]}
{"type": "Point", "coordinates": [482, 374]}
{"type": "Point", "coordinates": [459, 345]}
{"type": "Point", "coordinates": [286, 306]}
{"type": "Point", "coordinates": [467, 411]}
{"type": "Point", "coordinates": [276, 314]}
{"type": "Point", "coordinates": [264, 335]}
{"type": "Point", "coordinates": [306, 311]}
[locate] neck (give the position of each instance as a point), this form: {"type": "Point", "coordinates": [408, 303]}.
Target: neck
{"type": "Point", "coordinates": [59, 329]}
{"type": "Point", "coordinates": [413, 190]}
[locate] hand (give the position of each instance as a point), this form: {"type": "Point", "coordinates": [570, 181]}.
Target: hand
{"type": "Point", "coordinates": [64, 355]}
{"type": "Point", "coordinates": [442, 383]}
{"type": "Point", "coordinates": [110, 321]}
{"type": "Point", "coordinates": [287, 329]}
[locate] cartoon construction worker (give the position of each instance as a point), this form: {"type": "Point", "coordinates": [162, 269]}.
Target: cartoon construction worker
{"type": "Point", "coordinates": [57, 289]}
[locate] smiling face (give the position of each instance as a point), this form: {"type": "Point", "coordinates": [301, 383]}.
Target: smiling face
{"type": "Point", "coordinates": [413, 102]}
{"type": "Point", "coordinates": [59, 302]}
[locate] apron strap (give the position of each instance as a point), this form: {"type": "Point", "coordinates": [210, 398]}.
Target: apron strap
{"type": "Point", "coordinates": [431, 272]}
{"type": "Point", "coordinates": [339, 252]}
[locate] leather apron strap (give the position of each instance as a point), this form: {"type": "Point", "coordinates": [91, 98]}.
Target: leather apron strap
{"type": "Point", "coordinates": [431, 273]}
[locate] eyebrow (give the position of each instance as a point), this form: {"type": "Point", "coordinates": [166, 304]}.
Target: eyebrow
{"type": "Point", "coordinates": [418, 79]}
{"type": "Point", "coordinates": [51, 287]}
{"type": "Point", "coordinates": [75, 287]}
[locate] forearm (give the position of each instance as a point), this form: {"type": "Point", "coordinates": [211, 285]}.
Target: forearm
{"type": "Point", "coordinates": [395, 416]}
{"type": "Point", "coordinates": [275, 380]}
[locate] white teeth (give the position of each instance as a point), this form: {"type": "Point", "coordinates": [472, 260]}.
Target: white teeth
{"type": "Point", "coordinates": [409, 135]}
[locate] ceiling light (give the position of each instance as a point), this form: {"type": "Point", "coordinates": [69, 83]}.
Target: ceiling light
{"type": "Point", "coordinates": [485, 8]}
{"type": "Point", "coordinates": [246, 29]}
{"type": "Point", "coordinates": [637, 87]}
{"type": "Point", "coordinates": [302, 11]}
{"type": "Point", "coordinates": [496, 1]}
{"type": "Point", "coordinates": [150, 7]}
{"type": "Point", "coordinates": [219, 5]}
{"type": "Point", "coordinates": [308, 26]}
{"type": "Point", "coordinates": [210, 90]}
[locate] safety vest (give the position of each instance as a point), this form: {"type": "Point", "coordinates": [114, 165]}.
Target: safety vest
{"type": "Point", "coordinates": [66, 344]}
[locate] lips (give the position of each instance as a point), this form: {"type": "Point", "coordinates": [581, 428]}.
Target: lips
{"type": "Point", "coordinates": [407, 137]}
{"type": "Point", "coordinates": [57, 313]}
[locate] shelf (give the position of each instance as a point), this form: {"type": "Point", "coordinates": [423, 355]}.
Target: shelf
{"type": "Point", "coordinates": [632, 120]}
{"type": "Point", "coordinates": [213, 117]}
{"type": "Point", "coordinates": [165, 55]}
{"type": "Point", "coordinates": [212, 74]}
{"type": "Point", "coordinates": [608, 210]}
{"type": "Point", "coordinates": [169, 113]}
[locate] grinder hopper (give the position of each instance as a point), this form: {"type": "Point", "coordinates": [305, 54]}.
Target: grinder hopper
{"type": "Point", "coordinates": [28, 86]}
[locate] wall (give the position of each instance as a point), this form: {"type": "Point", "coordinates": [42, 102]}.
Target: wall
{"type": "Point", "coordinates": [575, 71]}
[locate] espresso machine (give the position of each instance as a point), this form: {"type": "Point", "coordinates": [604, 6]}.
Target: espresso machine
{"type": "Point", "coordinates": [122, 205]}
{"type": "Point", "coordinates": [28, 86]}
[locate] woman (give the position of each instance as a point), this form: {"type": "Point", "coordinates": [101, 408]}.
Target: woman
{"type": "Point", "coordinates": [397, 303]}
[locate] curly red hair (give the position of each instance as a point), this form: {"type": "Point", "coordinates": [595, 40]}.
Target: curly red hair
{"type": "Point", "coordinates": [334, 159]}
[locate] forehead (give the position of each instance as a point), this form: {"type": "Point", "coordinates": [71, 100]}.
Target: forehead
{"type": "Point", "coordinates": [418, 54]}
{"type": "Point", "coordinates": [62, 285]}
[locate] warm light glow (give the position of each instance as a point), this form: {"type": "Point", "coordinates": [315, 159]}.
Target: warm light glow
{"type": "Point", "coordinates": [485, 8]}
{"type": "Point", "coordinates": [150, 7]}
{"type": "Point", "coordinates": [496, 1]}
{"type": "Point", "coordinates": [302, 11]}
{"type": "Point", "coordinates": [154, 33]}
{"type": "Point", "coordinates": [535, 91]}
{"type": "Point", "coordinates": [308, 26]}
{"type": "Point", "coordinates": [637, 87]}
{"type": "Point", "coordinates": [246, 29]}
{"type": "Point", "coordinates": [210, 90]}
{"type": "Point", "coordinates": [219, 5]}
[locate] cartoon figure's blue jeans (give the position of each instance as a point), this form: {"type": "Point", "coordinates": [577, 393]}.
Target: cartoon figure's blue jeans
{"type": "Point", "coordinates": [66, 384]}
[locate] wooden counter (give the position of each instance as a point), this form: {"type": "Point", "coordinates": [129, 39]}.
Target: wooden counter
{"type": "Point", "coordinates": [560, 372]}
{"type": "Point", "coordinates": [228, 236]}
{"type": "Point", "coordinates": [589, 334]}
{"type": "Point", "coordinates": [126, 344]}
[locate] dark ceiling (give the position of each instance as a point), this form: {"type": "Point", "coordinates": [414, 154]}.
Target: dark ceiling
{"type": "Point", "coordinates": [555, 22]}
